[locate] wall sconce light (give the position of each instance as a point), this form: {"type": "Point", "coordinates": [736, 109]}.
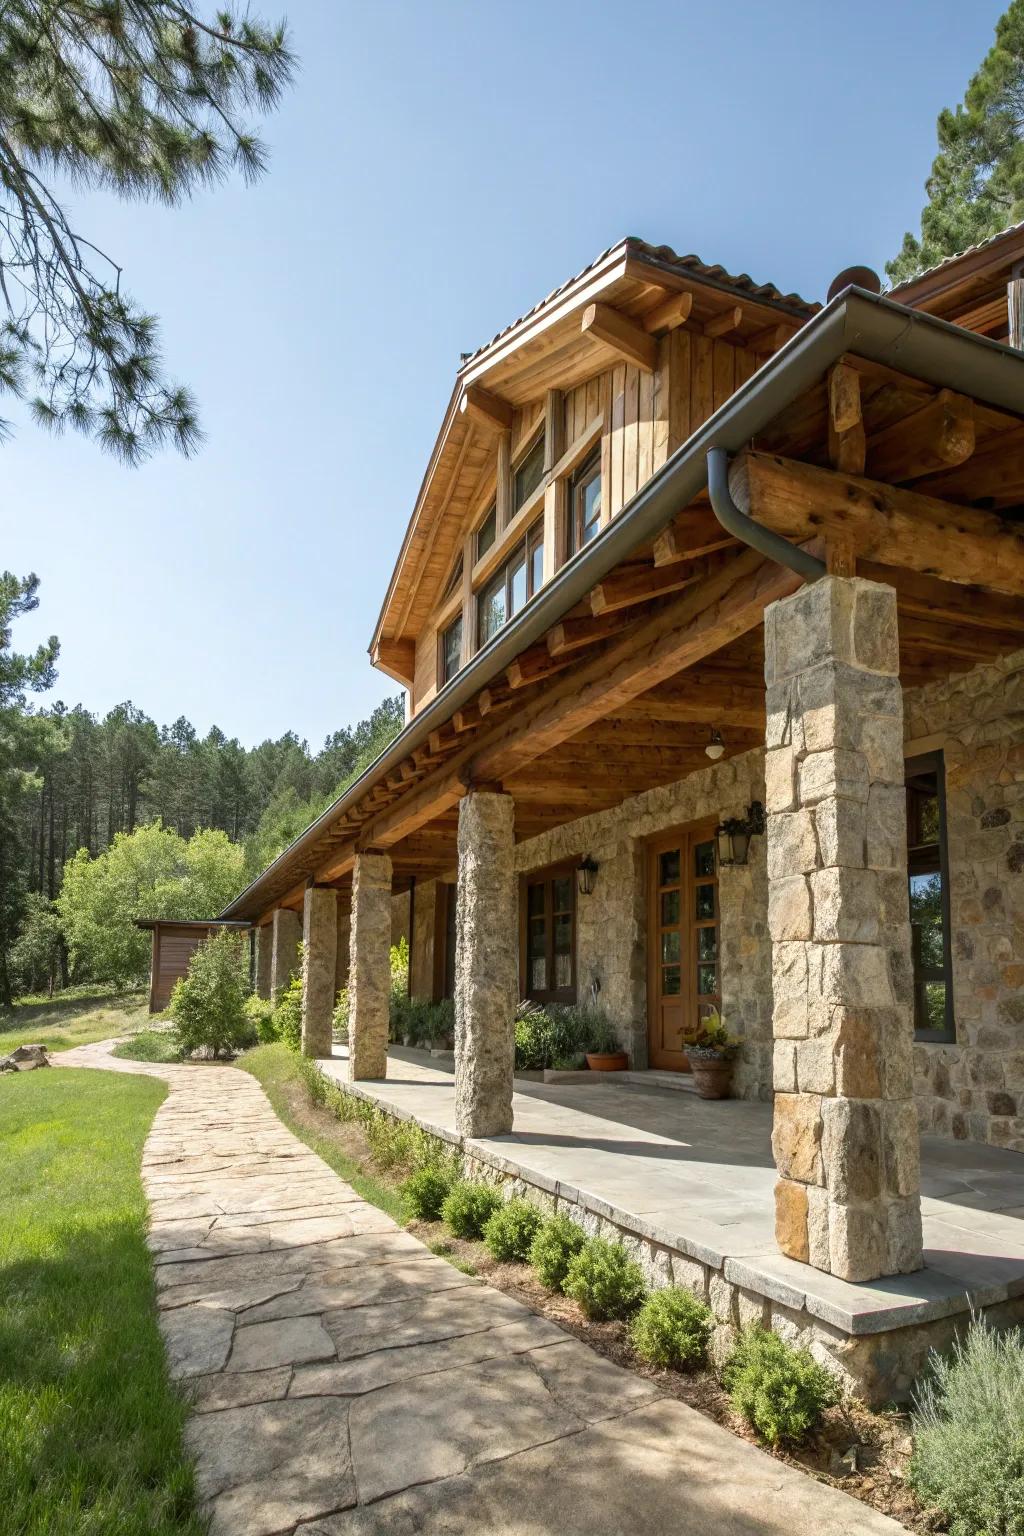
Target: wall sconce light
{"type": "Point", "coordinates": [734, 834]}
{"type": "Point", "coordinates": [586, 874]}
{"type": "Point", "coordinates": [716, 746]}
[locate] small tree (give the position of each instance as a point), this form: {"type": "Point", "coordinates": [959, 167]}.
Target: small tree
{"type": "Point", "coordinates": [208, 1005]}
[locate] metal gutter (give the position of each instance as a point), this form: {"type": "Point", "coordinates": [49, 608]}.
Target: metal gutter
{"type": "Point", "coordinates": [866, 324]}
{"type": "Point", "coordinates": [735, 521]}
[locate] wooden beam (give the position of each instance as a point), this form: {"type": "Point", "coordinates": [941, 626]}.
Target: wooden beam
{"type": "Point", "coordinates": [397, 658]}
{"type": "Point", "coordinates": [728, 320]}
{"type": "Point", "coordinates": [928, 598]}
{"type": "Point", "coordinates": [574, 633]}
{"type": "Point", "coordinates": [996, 473]}
{"type": "Point", "coordinates": [886, 523]}
{"type": "Point", "coordinates": [479, 405]}
{"type": "Point", "coordinates": [671, 312]}
{"type": "Point", "coordinates": [770, 339]}
{"type": "Point", "coordinates": [535, 663]}
{"type": "Point", "coordinates": [726, 605]}
{"type": "Point", "coordinates": [694, 532]}
{"type": "Point", "coordinates": [629, 340]}
{"type": "Point", "coordinates": [938, 436]}
{"type": "Point", "coordinates": [632, 584]}
{"type": "Point", "coordinates": [846, 441]}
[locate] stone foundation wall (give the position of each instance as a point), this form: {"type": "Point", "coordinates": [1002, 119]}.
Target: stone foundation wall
{"type": "Point", "coordinates": [611, 924]}
{"type": "Point", "coordinates": [974, 1089]}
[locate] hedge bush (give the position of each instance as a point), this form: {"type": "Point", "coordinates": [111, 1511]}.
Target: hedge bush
{"type": "Point", "coordinates": [468, 1207]}
{"type": "Point", "coordinates": [605, 1281]}
{"type": "Point", "coordinates": [260, 1013]}
{"type": "Point", "coordinates": [288, 1015]}
{"type": "Point", "coordinates": [425, 1191]}
{"type": "Point", "coordinates": [969, 1434]}
{"type": "Point", "coordinates": [672, 1329]}
{"type": "Point", "coordinates": [208, 1002]}
{"type": "Point", "coordinates": [781, 1391]}
{"type": "Point", "coordinates": [511, 1230]}
{"type": "Point", "coordinates": [556, 1244]}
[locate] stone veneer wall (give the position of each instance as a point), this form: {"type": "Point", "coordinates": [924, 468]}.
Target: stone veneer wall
{"type": "Point", "coordinates": [974, 1089]}
{"type": "Point", "coordinates": [611, 924]}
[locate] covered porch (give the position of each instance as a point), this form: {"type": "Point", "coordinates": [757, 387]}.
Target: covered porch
{"type": "Point", "coordinates": [688, 1186]}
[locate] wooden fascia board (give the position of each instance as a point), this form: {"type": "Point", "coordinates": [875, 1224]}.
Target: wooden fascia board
{"type": "Point", "coordinates": [395, 658]}
{"type": "Point", "coordinates": [930, 287]}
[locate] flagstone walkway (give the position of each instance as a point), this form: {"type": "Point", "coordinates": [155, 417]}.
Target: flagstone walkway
{"type": "Point", "coordinates": [347, 1382]}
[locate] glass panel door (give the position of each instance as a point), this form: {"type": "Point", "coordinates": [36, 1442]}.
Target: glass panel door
{"type": "Point", "coordinates": [683, 974]}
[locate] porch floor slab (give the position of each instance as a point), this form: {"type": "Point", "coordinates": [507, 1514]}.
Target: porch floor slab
{"type": "Point", "coordinates": [697, 1177]}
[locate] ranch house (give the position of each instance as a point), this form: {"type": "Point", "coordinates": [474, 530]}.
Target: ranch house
{"type": "Point", "coordinates": [710, 619]}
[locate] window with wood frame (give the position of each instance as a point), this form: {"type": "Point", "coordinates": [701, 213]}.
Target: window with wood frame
{"type": "Point", "coordinates": [450, 651]}
{"type": "Point", "coordinates": [584, 510]}
{"type": "Point", "coordinates": [928, 879]}
{"type": "Point", "coordinates": [512, 586]}
{"type": "Point", "coordinates": [487, 531]}
{"type": "Point", "coordinates": [527, 475]}
{"type": "Point", "coordinates": [548, 935]}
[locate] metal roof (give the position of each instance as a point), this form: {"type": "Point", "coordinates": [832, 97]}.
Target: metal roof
{"type": "Point", "coordinates": [950, 261]}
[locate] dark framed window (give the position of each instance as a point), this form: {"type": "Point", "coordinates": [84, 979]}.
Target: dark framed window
{"type": "Point", "coordinates": [928, 877]}
{"type": "Point", "coordinates": [512, 586]}
{"type": "Point", "coordinates": [548, 935]}
{"type": "Point", "coordinates": [527, 475]}
{"type": "Point", "coordinates": [487, 532]}
{"type": "Point", "coordinates": [454, 581]}
{"type": "Point", "coordinates": [584, 504]}
{"type": "Point", "coordinates": [451, 650]}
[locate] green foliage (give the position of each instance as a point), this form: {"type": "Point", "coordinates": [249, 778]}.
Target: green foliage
{"type": "Point", "coordinates": [151, 872]}
{"type": "Point", "coordinates": [150, 1045]}
{"type": "Point", "coordinates": [414, 1021]}
{"type": "Point", "coordinates": [976, 186]}
{"type": "Point", "coordinates": [339, 1017]}
{"type": "Point", "coordinates": [672, 1329]}
{"type": "Point", "coordinates": [287, 1016]}
{"type": "Point", "coordinates": [468, 1207]}
{"type": "Point", "coordinates": [555, 1034]}
{"type": "Point", "coordinates": [511, 1230]}
{"type": "Point", "coordinates": [713, 1039]}
{"type": "Point", "coordinates": [425, 1191]}
{"type": "Point", "coordinates": [968, 1457]}
{"type": "Point", "coordinates": [35, 954]}
{"type": "Point", "coordinates": [208, 1004]}
{"type": "Point", "coordinates": [781, 1391]}
{"type": "Point", "coordinates": [147, 99]}
{"type": "Point", "coordinates": [260, 1012]}
{"type": "Point", "coordinates": [604, 1280]}
{"type": "Point", "coordinates": [553, 1249]}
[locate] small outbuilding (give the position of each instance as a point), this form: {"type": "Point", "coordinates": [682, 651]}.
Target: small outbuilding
{"type": "Point", "coordinates": [173, 946]}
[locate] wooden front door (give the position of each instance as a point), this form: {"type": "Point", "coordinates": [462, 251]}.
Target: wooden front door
{"type": "Point", "coordinates": [683, 977]}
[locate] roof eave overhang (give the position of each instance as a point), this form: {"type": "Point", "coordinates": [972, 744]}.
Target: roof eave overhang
{"type": "Point", "coordinates": [865, 324]}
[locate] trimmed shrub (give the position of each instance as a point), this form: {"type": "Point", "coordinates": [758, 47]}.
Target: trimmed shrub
{"type": "Point", "coordinates": [511, 1230]}
{"type": "Point", "coordinates": [553, 1249]}
{"type": "Point", "coordinates": [208, 1003]}
{"type": "Point", "coordinates": [672, 1329]}
{"type": "Point", "coordinates": [604, 1280]}
{"type": "Point", "coordinates": [260, 1013]}
{"type": "Point", "coordinates": [468, 1207]}
{"type": "Point", "coordinates": [969, 1434]}
{"type": "Point", "coordinates": [425, 1191]}
{"type": "Point", "coordinates": [781, 1391]}
{"type": "Point", "coordinates": [288, 1015]}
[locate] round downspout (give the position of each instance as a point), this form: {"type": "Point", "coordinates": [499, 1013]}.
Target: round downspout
{"type": "Point", "coordinates": [744, 528]}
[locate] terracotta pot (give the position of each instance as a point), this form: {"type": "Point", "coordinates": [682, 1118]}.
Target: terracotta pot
{"type": "Point", "coordinates": [712, 1076]}
{"type": "Point", "coordinates": [611, 1061]}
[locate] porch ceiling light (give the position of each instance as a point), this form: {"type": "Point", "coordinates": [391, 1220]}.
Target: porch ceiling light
{"type": "Point", "coordinates": [716, 746]}
{"type": "Point", "coordinates": [735, 832]}
{"type": "Point", "coordinates": [586, 874]}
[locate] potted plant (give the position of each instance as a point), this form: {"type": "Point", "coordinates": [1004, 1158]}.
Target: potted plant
{"type": "Point", "coordinates": [712, 1056]}
{"type": "Point", "coordinates": [603, 1051]}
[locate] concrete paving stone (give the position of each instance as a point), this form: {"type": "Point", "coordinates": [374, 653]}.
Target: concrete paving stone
{"type": "Point", "coordinates": [410, 1432]}
{"type": "Point", "coordinates": [289, 1341]}
{"type": "Point", "coordinates": [365, 1373]}
{"type": "Point", "coordinates": [663, 1470]}
{"type": "Point", "coordinates": [214, 1270]}
{"type": "Point", "coordinates": [240, 1297]}
{"type": "Point", "coordinates": [197, 1340]}
{"type": "Point", "coordinates": [362, 1330]}
{"type": "Point", "coordinates": [209, 1394]}
{"type": "Point", "coordinates": [261, 1468]}
{"type": "Point", "coordinates": [588, 1386]}
{"type": "Point", "coordinates": [361, 1286]}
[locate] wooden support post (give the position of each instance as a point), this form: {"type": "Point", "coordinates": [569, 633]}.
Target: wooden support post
{"type": "Point", "coordinates": [1015, 307]}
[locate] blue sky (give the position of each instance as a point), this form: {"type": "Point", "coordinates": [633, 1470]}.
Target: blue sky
{"type": "Point", "coordinates": [437, 168]}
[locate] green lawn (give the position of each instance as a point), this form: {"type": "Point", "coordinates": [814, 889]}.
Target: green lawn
{"type": "Point", "coordinates": [90, 1427]}
{"type": "Point", "coordinates": [277, 1068]}
{"type": "Point", "coordinates": [72, 1019]}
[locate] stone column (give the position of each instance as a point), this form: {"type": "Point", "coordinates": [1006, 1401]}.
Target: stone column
{"type": "Point", "coordinates": [264, 957]}
{"type": "Point", "coordinates": [284, 943]}
{"type": "Point", "coordinates": [486, 965]}
{"type": "Point", "coordinates": [319, 954]}
{"type": "Point", "coordinates": [369, 970]}
{"type": "Point", "coordinates": [845, 1133]}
